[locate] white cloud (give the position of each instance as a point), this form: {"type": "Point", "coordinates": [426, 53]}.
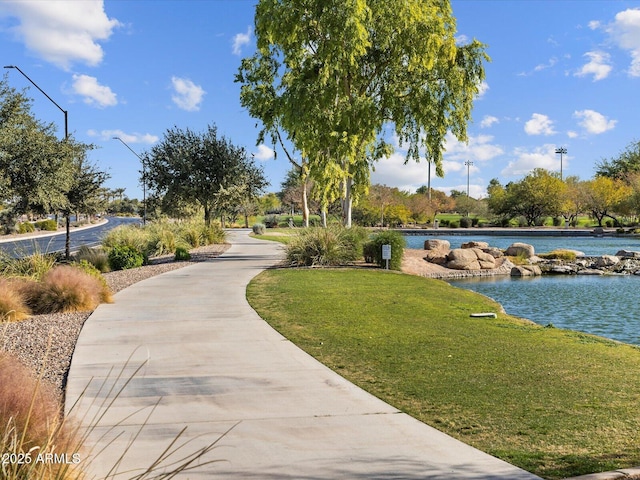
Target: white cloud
{"type": "Point", "coordinates": [264, 153]}
{"type": "Point", "coordinates": [94, 93]}
{"type": "Point", "coordinates": [482, 89]}
{"type": "Point", "coordinates": [393, 172]}
{"type": "Point", "coordinates": [477, 148]}
{"type": "Point", "coordinates": [594, 122]}
{"type": "Point", "coordinates": [61, 31]}
{"type": "Point", "coordinates": [598, 66]}
{"type": "Point", "coordinates": [544, 66]}
{"type": "Point", "coordinates": [539, 124]}
{"type": "Point", "coordinates": [594, 24]}
{"type": "Point", "coordinates": [488, 121]}
{"type": "Point", "coordinates": [527, 160]}
{"type": "Point", "coordinates": [240, 40]}
{"type": "Point", "coordinates": [572, 134]}
{"type": "Point", "coordinates": [188, 95]}
{"type": "Point", "coordinates": [625, 31]}
{"type": "Point", "coordinates": [126, 137]}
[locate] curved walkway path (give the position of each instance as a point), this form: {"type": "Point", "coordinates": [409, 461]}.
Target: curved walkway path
{"type": "Point", "coordinates": [210, 363]}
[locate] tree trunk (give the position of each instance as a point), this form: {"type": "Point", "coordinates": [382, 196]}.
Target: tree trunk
{"type": "Point", "coordinates": [305, 203]}
{"type": "Point", "coordinates": [347, 203]}
{"type": "Point", "coordinates": [67, 241]}
{"type": "Point", "coordinates": [323, 215]}
{"type": "Point", "coordinates": [207, 216]}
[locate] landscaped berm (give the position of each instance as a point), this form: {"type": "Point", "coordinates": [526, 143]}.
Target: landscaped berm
{"type": "Point", "coordinates": [554, 402]}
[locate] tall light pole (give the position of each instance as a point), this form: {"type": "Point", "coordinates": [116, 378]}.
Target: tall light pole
{"type": "Point", "coordinates": [468, 163]}
{"type": "Point", "coordinates": [66, 122]}
{"type": "Point", "coordinates": [144, 181]}
{"type": "Point", "coordinates": [67, 244]}
{"type": "Point", "coordinates": [561, 151]}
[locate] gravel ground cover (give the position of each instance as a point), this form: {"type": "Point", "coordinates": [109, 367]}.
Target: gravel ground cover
{"type": "Point", "coordinates": [45, 343]}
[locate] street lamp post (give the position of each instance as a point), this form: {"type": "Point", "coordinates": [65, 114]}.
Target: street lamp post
{"type": "Point", "coordinates": [561, 151]}
{"type": "Point", "coordinates": [66, 122]}
{"type": "Point", "coordinates": [468, 163]}
{"type": "Point", "coordinates": [144, 180]}
{"type": "Point", "coordinates": [67, 246]}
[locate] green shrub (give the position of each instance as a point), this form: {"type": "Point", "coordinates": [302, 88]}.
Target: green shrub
{"type": "Point", "coordinates": [454, 224]}
{"type": "Point", "coordinates": [258, 229]}
{"type": "Point", "coordinates": [25, 227]}
{"type": "Point", "coordinates": [324, 247]}
{"type": "Point", "coordinates": [271, 221]}
{"type": "Point", "coordinates": [95, 256]}
{"type": "Point", "coordinates": [390, 237]}
{"type": "Point", "coordinates": [125, 257]}
{"type": "Point", "coordinates": [182, 254]}
{"type": "Point", "coordinates": [465, 222]}
{"type": "Point", "coordinates": [48, 225]}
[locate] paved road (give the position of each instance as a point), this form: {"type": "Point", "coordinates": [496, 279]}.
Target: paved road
{"type": "Point", "coordinates": [213, 364]}
{"type": "Point", "coordinates": [55, 242]}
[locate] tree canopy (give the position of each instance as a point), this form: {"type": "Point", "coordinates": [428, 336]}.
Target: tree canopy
{"type": "Point", "coordinates": [334, 74]}
{"type": "Point", "coordinates": [622, 166]}
{"type": "Point", "coordinates": [39, 173]}
{"type": "Point", "coordinates": [202, 169]}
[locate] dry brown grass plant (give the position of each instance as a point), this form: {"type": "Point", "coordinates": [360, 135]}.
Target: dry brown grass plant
{"type": "Point", "coordinates": [64, 289]}
{"type": "Point", "coordinates": [13, 308]}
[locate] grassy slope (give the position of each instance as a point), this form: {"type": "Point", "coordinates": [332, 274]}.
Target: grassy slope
{"type": "Point", "coordinates": [554, 402]}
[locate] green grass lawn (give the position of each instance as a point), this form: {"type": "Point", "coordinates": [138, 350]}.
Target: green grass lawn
{"type": "Point", "coordinates": [554, 402]}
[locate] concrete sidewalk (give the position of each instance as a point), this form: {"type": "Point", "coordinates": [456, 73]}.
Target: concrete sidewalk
{"type": "Point", "coordinates": [213, 364]}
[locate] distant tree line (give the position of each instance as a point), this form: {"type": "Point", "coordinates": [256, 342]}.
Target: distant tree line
{"type": "Point", "coordinates": [611, 196]}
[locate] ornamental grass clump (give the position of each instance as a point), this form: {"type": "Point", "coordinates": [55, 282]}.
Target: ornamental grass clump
{"type": "Point", "coordinates": [13, 308]}
{"type": "Point", "coordinates": [331, 246]}
{"type": "Point", "coordinates": [64, 289]}
{"type": "Point", "coordinates": [95, 256]}
{"type": "Point", "coordinates": [33, 266]}
{"type": "Point", "coordinates": [32, 428]}
{"type": "Point", "coordinates": [566, 255]}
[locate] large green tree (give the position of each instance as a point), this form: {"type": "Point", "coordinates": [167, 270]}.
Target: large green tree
{"type": "Point", "coordinates": [333, 74]}
{"type": "Point", "coordinates": [202, 169]}
{"type": "Point", "coordinates": [539, 194]}
{"type": "Point", "coordinates": [625, 164]}
{"type": "Point", "coordinates": [35, 167]}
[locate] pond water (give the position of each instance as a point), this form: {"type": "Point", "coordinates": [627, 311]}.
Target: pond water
{"type": "Point", "coordinates": [587, 245]}
{"type": "Point", "coordinates": [601, 305]}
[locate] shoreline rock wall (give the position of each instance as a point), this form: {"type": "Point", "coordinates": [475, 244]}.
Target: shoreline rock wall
{"type": "Point", "coordinates": [478, 259]}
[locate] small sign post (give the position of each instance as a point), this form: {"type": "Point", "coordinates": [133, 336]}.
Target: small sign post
{"type": "Point", "coordinates": [386, 254]}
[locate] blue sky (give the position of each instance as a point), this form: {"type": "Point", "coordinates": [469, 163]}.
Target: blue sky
{"type": "Point", "coordinates": [564, 73]}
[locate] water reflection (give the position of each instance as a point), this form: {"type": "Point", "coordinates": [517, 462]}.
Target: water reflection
{"type": "Point", "coordinates": [602, 305]}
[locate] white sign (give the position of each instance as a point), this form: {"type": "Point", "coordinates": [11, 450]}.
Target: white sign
{"type": "Point", "coordinates": [386, 252]}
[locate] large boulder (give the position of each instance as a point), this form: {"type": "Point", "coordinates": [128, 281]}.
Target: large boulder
{"type": "Point", "coordinates": [607, 261]}
{"type": "Point", "coordinates": [470, 259]}
{"type": "Point", "coordinates": [433, 244]}
{"type": "Point", "coordinates": [474, 244]}
{"type": "Point", "coordinates": [520, 250]}
{"type": "Point", "coordinates": [526, 271]}
{"type": "Point", "coordinates": [436, 251]}
{"type": "Point", "coordinates": [628, 254]}
{"type": "Point", "coordinates": [494, 252]}
{"type": "Point", "coordinates": [463, 259]}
